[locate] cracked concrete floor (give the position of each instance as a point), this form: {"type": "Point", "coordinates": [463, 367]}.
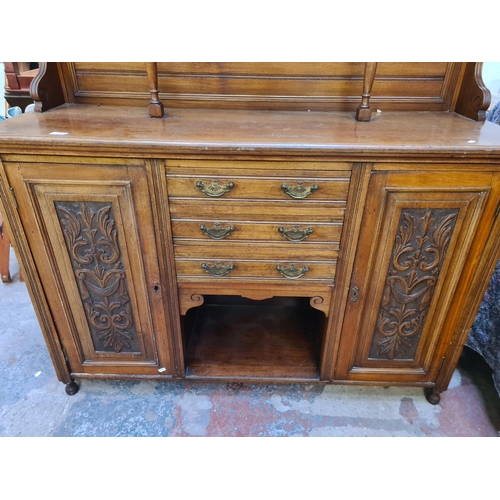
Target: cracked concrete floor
{"type": "Point", "coordinates": [33, 402]}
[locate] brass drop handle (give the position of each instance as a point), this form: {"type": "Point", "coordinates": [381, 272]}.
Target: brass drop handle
{"type": "Point", "coordinates": [216, 232]}
{"type": "Point", "coordinates": [218, 269]}
{"type": "Point", "coordinates": [291, 272]}
{"type": "Point", "coordinates": [299, 191]}
{"type": "Point", "coordinates": [295, 234]}
{"type": "Point", "coordinates": [213, 188]}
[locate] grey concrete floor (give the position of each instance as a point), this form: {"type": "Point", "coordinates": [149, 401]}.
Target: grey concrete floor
{"type": "Point", "coordinates": [34, 403]}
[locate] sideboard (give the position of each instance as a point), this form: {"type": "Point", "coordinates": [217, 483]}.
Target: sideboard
{"type": "Point", "coordinates": [255, 230]}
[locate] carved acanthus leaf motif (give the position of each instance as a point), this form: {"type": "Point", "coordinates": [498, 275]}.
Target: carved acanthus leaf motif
{"type": "Point", "coordinates": [417, 257]}
{"type": "Point", "coordinates": [95, 255]}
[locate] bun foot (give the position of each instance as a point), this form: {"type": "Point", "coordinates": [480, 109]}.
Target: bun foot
{"type": "Point", "coordinates": [432, 396]}
{"type": "Point", "coordinates": [72, 388]}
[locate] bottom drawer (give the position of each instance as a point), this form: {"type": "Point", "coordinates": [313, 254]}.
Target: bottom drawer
{"type": "Point", "coordinates": [255, 270]}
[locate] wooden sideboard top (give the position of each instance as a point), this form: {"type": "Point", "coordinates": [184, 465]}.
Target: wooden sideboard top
{"type": "Point", "coordinates": [129, 131]}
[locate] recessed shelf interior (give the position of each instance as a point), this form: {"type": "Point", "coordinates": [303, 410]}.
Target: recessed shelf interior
{"type": "Point", "coordinates": [234, 337]}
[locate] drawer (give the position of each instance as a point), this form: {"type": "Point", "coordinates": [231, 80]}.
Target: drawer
{"type": "Point", "coordinates": [243, 251]}
{"type": "Point", "coordinates": [261, 167]}
{"type": "Point", "coordinates": [292, 189]}
{"type": "Point", "coordinates": [211, 269]}
{"type": "Point", "coordinates": [232, 230]}
{"type": "Point", "coordinates": [259, 210]}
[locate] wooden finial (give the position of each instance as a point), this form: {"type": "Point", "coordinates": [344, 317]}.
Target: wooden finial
{"type": "Point", "coordinates": [364, 113]}
{"type": "Point", "coordinates": [155, 105]}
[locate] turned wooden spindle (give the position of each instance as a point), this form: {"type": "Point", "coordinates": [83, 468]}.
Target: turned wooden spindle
{"type": "Point", "coordinates": [364, 113]}
{"type": "Point", "coordinates": [155, 105]}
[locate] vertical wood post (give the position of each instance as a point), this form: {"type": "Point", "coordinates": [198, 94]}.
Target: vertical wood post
{"type": "Point", "coordinates": [364, 113]}
{"type": "Point", "coordinates": [155, 105]}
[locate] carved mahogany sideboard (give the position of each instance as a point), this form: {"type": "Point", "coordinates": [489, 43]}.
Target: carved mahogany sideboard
{"type": "Point", "coordinates": [256, 231]}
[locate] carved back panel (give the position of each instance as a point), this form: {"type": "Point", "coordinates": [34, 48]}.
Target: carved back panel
{"type": "Point", "coordinates": [325, 86]}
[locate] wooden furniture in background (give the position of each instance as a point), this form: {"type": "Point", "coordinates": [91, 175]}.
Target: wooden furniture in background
{"type": "Point", "coordinates": [236, 240]}
{"type": "Point", "coordinates": [18, 78]}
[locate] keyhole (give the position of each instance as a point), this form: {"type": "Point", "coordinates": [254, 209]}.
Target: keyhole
{"type": "Point", "coordinates": [156, 289]}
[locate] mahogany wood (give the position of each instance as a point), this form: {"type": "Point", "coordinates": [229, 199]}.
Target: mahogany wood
{"type": "Point", "coordinates": [391, 226]}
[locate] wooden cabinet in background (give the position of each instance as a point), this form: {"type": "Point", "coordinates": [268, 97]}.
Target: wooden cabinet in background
{"type": "Point", "coordinates": [253, 245]}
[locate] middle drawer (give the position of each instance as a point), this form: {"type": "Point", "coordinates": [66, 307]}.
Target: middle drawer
{"type": "Point", "coordinates": [236, 230]}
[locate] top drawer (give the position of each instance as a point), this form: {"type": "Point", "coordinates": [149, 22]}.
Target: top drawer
{"type": "Point", "coordinates": [275, 188]}
{"type": "Point", "coordinates": [256, 182]}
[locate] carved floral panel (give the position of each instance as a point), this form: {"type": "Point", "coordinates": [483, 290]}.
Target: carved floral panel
{"type": "Point", "coordinates": [417, 257]}
{"type": "Point", "coordinates": [94, 250]}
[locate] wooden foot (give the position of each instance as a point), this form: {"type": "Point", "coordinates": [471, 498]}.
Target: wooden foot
{"type": "Point", "coordinates": [72, 388]}
{"type": "Point", "coordinates": [432, 396]}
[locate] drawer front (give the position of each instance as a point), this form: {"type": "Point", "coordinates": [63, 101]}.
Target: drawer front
{"type": "Point", "coordinates": [276, 188]}
{"type": "Point", "coordinates": [212, 269]}
{"type": "Point", "coordinates": [243, 251]}
{"type": "Point", "coordinates": [231, 230]}
{"type": "Point", "coordinates": [230, 210]}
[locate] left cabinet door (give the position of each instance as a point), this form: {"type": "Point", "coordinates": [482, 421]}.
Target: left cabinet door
{"type": "Point", "coordinates": [91, 233]}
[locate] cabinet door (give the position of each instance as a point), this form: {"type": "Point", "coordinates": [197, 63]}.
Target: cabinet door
{"type": "Point", "coordinates": [421, 237]}
{"type": "Point", "coordinates": [91, 233]}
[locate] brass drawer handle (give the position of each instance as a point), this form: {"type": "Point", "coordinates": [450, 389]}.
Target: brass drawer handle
{"type": "Point", "coordinates": [214, 188]}
{"type": "Point", "coordinates": [218, 269]}
{"type": "Point", "coordinates": [291, 272]}
{"type": "Point", "coordinates": [216, 232]}
{"type": "Point", "coordinates": [295, 234]}
{"type": "Point", "coordinates": [299, 191]}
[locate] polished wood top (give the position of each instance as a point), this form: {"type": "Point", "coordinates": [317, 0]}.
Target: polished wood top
{"type": "Point", "coordinates": [129, 131]}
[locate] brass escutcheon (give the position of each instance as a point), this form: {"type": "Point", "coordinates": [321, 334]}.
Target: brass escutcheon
{"type": "Point", "coordinates": [299, 191]}
{"type": "Point", "coordinates": [295, 234]}
{"type": "Point", "coordinates": [218, 269]}
{"type": "Point", "coordinates": [216, 232]}
{"type": "Point", "coordinates": [214, 188]}
{"type": "Point", "coordinates": [291, 272]}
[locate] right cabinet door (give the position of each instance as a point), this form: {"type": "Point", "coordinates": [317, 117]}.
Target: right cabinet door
{"type": "Point", "coordinates": [421, 237]}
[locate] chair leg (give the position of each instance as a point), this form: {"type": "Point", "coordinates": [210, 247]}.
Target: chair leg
{"type": "Point", "coordinates": [4, 253]}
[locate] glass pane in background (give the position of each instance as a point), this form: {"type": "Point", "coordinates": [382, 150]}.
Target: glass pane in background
{"type": "Point", "coordinates": [491, 78]}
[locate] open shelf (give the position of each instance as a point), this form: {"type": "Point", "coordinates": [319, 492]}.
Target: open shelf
{"type": "Point", "coordinates": [240, 338]}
